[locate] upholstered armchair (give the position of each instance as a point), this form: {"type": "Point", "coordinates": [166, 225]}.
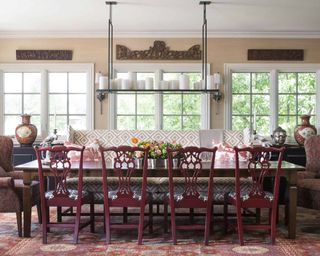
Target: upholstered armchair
{"type": "Point", "coordinates": [309, 180]}
{"type": "Point", "coordinates": [11, 184]}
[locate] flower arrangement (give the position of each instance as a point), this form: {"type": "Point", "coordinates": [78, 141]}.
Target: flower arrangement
{"type": "Point", "coordinates": [157, 149]}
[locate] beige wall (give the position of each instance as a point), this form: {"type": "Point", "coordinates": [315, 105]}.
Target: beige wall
{"type": "Point", "coordinates": [220, 51]}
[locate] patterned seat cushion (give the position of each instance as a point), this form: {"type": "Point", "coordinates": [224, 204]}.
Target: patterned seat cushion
{"type": "Point", "coordinates": [73, 194]}
{"type": "Point", "coordinates": [245, 196]}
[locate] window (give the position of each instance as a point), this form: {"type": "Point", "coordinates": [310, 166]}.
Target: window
{"type": "Point", "coordinates": [267, 96]}
{"type": "Point", "coordinates": [55, 95]}
{"type": "Point", "coordinates": [160, 110]}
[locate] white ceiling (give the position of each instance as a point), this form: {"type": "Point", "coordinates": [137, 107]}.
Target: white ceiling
{"type": "Point", "coordinates": [160, 18]}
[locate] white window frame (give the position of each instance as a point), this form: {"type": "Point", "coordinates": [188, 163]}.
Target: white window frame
{"type": "Point", "coordinates": [158, 69]}
{"type": "Point", "coordinates": [45, 69]}
{"type": "Point", "coordinates": [273, 69]}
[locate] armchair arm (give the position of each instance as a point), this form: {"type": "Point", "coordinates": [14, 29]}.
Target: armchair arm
{"type": "Point", "coordinates": [306, 175]}
{"type": "Point", "coordinates": [6, 182]}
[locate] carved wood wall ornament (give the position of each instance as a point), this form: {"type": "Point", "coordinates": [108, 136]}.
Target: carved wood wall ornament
{"type": "Point", "coordinates": [275, 54]}
{"type": "Point", "coordinates": [159, 51]}
{"type": "Point", "coordinates": [44, 54]}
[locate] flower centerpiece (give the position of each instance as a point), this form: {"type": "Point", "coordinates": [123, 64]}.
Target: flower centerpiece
{"type": "Point", "coordinates": [157, 149]}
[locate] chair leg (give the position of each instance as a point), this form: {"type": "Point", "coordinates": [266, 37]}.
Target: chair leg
{"type": "Point", "coordinates": [45, 221]}
{"type": "Point", "coordinates": [207, 226]}
{"type": "Point", "coordinates": [19, 223]}
{"type": "Point", "coordinates": [191, 215]}
{"type": "Point", "coordinates": [165, 216]}
{"type": "Point", "coordinates": [77, 225]}
{"type": "Point", "coordinates": [59, 214]}
{"type": "Point", "coordinates": [141, 224]}
{"type": "Point", "coordinates": [125, 214]}
{"type": "Point", "coordinates": [240, 226]}
{"type": "Point", "coordinates": [150, 217]}
{"type": "Point", "coordinates": [47, 212]}
{"type": "Point", "coordinates": [92, 227]}
{"type": "Point", "coordinates": [173, 226]}
{"type": "Point", "coordinates": [273, 225]}
{"type": "Point", "coordinates": [225, 215]}
{"type": "Point", "coordinates": [258, 215]}
{"type": "Point", "coordinates": [39, 213]}
{"type": "Point", "coordinates": [107, 225]}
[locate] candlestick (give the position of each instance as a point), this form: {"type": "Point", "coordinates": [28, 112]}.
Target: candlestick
{"type": "Point", "coordinates": [55, 117]}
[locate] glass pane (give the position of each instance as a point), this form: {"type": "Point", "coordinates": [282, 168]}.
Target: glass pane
{"type": "Point", "coordinates": [191, 104]}
{"type": "Point", "coordinates": [287, 104]}
{"type": "Point", "coordinates": [36, 120]}
{"type": "Point", "coordinates": [58, 82]}
{"type": "Point", "coordinates": [12, 82]}
{"type": "Point", "coordinates": [10, 124]}
{"type": "Point", "coordinates": [126, 123]}
{"type": "Point", "coordinates": [77, 82]}
{"type": "Point", "coordinates": [288, 124]}
{"type": "Point", "coordinates": [191, 123]}
{"type": "Point", "coordinates": [172, 123]}
{"type": "Point", "coordinates": [194, 77]}
{"type": "Point", "coordinates": [143, 76]}
{"type": "Point", "coordinates": [260, 82]}
{"type": "Point", "coordinates": [77, 104]}
{"type": "Point", "coordinates": [240, 104]}
{"type": "Point", "coordinates": [78, 122]}
{"type": "Point", "coordinates": [240, 82]}
{"type": "Point", "coordinates": [239, 123]}
{"type": "Point", "coordinates": [12, 104]}
{"type": "Point", "coordinates": [125, 104]}
{"type": "Point", "coordinates": [171, 76]}
{"type": "Point", "coordinates": [307, 82]}
{"type": "Point", "coordinates": [172, 104]}
{"type": "Point", "coordinates": [287, 82]}
{"type": "Point", "coordinates": [145, 123]}
{"type": "Point", "coordinates": [145, 104]}
{"type": "Point", "coordinates": [261, 104]}
{"type": "Point", "coordinates": [58, 103]}
{"type": "Point", "coordinates": [32, 104]}
{"type": "Point", "coordinates": [32, 82]}
{"type": "Point", "coordinates": [263, 124]}
{"type": "Point", "coordinates": [306, 104]}
{"type": "Point", "coordinates": [58, 122]}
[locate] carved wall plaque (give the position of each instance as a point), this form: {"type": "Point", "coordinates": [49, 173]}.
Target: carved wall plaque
{"type": "Point", "coordinates": [275, 54]}
{"type": "Point", "coordinates": [159, 51]}
{"type": "Point", "coordinates": [44, 54]}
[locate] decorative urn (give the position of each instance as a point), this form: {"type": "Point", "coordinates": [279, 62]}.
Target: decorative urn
{"type": "Point", "coordinates": [279, 136]}
{"type": "Point", "coordinates": [304, 130]}
{"type": "Point", "coordinates": [26, 133]}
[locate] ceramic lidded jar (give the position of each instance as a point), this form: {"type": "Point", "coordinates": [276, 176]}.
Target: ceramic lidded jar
{"type": "Point", "coordinates": [26, 133]}
{"type": "Point", "coordinates": [279, 136]}
{"type": "Point", "coordinates": [304, 130]}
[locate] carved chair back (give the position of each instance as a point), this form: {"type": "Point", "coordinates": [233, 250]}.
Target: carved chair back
{"type": "Point", "coordinates": [259, 166]}
{"type": "Point", "coordinates": [59, 167]}
{"type": "Point", "coordinates": [191, 168]}
{"type": "Point", "coordinates": [124, 166]}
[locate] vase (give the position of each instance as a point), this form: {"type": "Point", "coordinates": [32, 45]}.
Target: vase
{"type": "Point", "coordinates": [26, 133]}
{"type": "Point", "coordinates": [160, 162]}
{"type": "Point", "coordinates": [304, 130]}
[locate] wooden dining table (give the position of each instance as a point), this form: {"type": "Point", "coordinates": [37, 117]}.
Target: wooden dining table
{"type": "Point", "coordinates": [222, 169]}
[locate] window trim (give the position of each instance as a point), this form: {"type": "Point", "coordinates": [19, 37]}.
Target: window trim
{"type": "Point", "coordinates": [44, 69]}
{"type": "Point", "coordinates": [273, 69]}
{"type": "Point", "coordinates": [157, 68]}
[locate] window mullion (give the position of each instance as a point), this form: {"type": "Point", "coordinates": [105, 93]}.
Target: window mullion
{"type": "Point", "coordinates": [44, 113]}
{"type": "Point", "coordinates": [274, 101]}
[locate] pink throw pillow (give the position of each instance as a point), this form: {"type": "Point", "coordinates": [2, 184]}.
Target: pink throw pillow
{"type": "Point", "coordinates": [225, 152]}
{"type": "Point", "coordinates": [91, 152]}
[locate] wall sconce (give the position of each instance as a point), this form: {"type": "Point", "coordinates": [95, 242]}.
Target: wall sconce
{"type": "Point", "coordinates": [102, 81]}
{"type": "Point", "coordinates": [217, 81]}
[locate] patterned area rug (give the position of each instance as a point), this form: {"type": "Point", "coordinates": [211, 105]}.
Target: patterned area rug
{"type": "Point", "coordinates": [158, 243]}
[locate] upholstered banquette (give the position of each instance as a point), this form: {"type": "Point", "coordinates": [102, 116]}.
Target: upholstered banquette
{"type": "Point", "coordinates": [159, 186]}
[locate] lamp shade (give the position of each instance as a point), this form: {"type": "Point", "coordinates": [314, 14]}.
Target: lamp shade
{"type": "Point", "coordinates": [217, 78]}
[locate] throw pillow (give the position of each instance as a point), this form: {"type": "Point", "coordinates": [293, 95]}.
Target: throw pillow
{"type": "Point", "coordinates": [91, 152]}
{"type": "Point", "coordinates": [225, 152]}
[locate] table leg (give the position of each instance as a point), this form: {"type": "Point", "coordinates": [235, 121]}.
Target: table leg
{"type": "Point", "coordinates": [26, 205]}
{"type": "Point", "coordinates": [292, 218]}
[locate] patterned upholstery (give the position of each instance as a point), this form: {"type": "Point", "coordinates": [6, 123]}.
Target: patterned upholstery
{"type": "Point", "coordinates": [157, 186]}
{"type": "Point", "coordinates": [308, 181]}
{"type": "Point", "coordinates": [11, 188]}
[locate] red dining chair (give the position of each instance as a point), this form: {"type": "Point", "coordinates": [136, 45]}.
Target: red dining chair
{"type": "Point", "coordinates": [259, 166]}
{"type": "Point", "coordinates": [61, 168]}
{"type": "Point", "coordinates": [190, 168]}
{"type": "Point", "coordinates": [127, 194]}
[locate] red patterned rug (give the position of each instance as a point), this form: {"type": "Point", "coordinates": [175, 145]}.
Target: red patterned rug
{"type": "Point", "coordinates": [158, 243]}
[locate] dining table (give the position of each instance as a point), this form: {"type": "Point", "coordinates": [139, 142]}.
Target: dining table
{"type": "Point", "coordinates": [221, 169]}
